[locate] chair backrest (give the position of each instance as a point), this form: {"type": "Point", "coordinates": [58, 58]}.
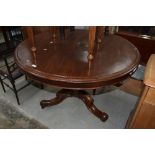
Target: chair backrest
{"type": "Point", "coordinates": [10, 67]}
{"type": "Point", "coordinates": [12, 39]}
{"type": "Point", "coordinates": [95, 36]}
{"type": "Point", "coordinates": [56, 32]}
{"type": "Point", "coordinates": [11, 33]}
{"type": "Point", "coordinates": [42, 29]}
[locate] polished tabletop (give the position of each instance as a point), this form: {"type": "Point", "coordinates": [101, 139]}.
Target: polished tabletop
{"type": "Point", "coordinates": [65, 62]}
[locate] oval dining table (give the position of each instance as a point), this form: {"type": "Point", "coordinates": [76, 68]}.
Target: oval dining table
{"type": "Point", "coordinates": [64, 64]}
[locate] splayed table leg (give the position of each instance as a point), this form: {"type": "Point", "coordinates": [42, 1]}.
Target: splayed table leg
{"type": "Point", "coordinates": [81, 94]}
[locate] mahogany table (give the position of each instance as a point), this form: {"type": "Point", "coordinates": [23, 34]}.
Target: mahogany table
{"type": "Point", "coordinates": [64, 64]}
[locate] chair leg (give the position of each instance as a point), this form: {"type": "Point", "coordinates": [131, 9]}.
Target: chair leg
{"type": "Point", "coordinates": [16, 93]}
{"type": "Point", "coordinates": [2, 84]}
{"type": "Point", "coordinates": [94, 91]}
{"type": "Point", "coordinates": [25, 77]}
{"type": "Point", "coordinates": [41, 86]}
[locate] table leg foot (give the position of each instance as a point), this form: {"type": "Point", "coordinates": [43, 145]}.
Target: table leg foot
{"type": "Point", "coordinates": [81, 94]}
{"type": "Point", "coordinates": [89, 102]}
{"type": "Point", "coordinates": [58, 99]}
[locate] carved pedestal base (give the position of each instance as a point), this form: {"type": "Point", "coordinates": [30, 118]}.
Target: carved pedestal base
{"type": "Point", "coordinates": [81, 94]}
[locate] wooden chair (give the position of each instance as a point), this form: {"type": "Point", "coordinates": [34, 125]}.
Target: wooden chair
{"type": "Point", "coordinates": [144, 113]}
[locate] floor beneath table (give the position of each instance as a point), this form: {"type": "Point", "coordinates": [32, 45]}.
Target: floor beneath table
{"type": "Point", "coordinates": [72, 113]}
